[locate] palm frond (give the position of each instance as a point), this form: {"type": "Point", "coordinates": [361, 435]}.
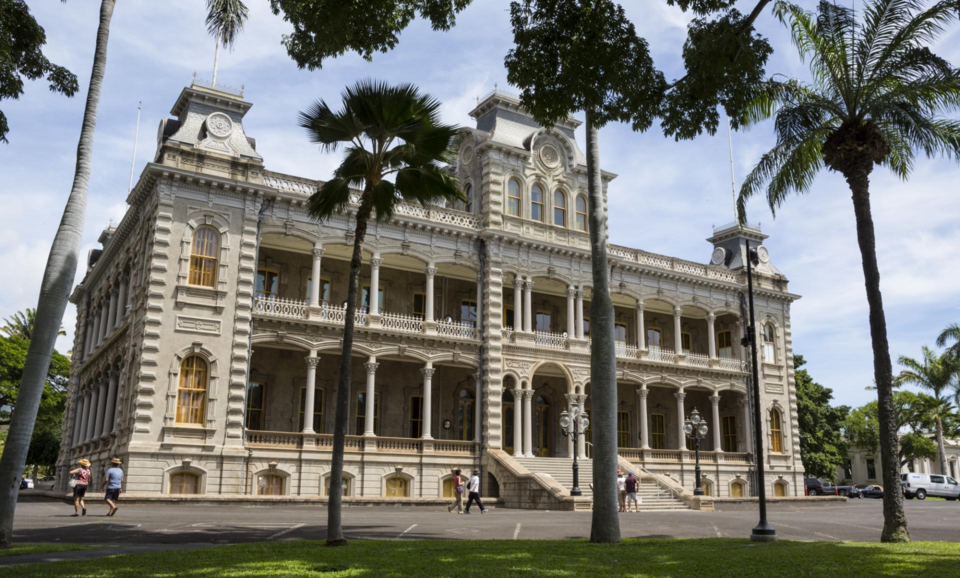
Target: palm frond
{"type": "Point", "coordinates": [225, 19]}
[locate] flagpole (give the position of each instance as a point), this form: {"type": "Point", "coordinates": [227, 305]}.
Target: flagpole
{"type": "Point", "coordinates": [136, 137]}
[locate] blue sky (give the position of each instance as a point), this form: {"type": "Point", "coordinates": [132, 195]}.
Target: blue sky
{"type": "Point", "coordinates": [666, 199]}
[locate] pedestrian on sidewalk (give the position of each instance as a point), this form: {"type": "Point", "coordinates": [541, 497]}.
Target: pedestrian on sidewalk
{"type": "Point", "coordinates": [113, 482]}
{"type": "Point", "coordinates": [457, 492]}
{"type": "Point", "coordinates": [473, 486]}
{"type": "Point", "coordinates": [622, 490]}
{"type": "Point", "coordinates": [80, 481]}
{"type": "Point", "coordinates": [632, 484]}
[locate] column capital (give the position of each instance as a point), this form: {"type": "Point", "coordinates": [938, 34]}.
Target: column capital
{"type": "Point", "coordinates": [114, 291]}
{"type": "Point", "coordinates": [312, 362]}
{"type": "Point", "coordinates": [431, 271]}
{"type": "Point", "coordinates": [375, 262]}
{"type": "Point", "coordinates": [571, 291]}
{"type": "Point", "coordinates": [677, 311]}
{"type": "Point", "coordinates": [528, 285]}
{"type": "Point", "coordinates": [528, 393]}
{"type": "Point", "coordinates": [371, 367]}
{"type": "Point", "coordinates": [580, 292]}
{"type": "Point", "coordinates": [427, 372]}
{"type": "Point", "coordinates": [640, 304]}
{"type": "Point", "coordinates": [715, 399]}
{"type": "Point", "coordinates": [680, 395]}
{"type": "Point", "coordinates": [517, 394]}
{"type": "Point", "coordinates": [317, 252]}
{"type": "Point", "coordinates": [643, 392]}
{"type": "Point", "coordinates": [476, 378]}
{"type": "Point", "coordinates": [711, 317]}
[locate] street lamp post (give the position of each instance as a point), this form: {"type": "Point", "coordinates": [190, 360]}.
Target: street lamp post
{"type": "Point", "coordinates": [696, 429]}
{"type": "Point", "coordinates": [580, 423]}
{"type": "Point", "coordinates": [763, 531]}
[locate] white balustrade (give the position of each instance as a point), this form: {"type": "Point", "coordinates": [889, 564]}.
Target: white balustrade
{"type": "Point", "coordinates": [550, 340]}
{"type": "Point", "coordinates": [280, 307]}
{"type": "Point", "coordinates": [732, 364]}
{"type": "Point", "coordinates": [402, 323]}
{"type": "Point", "coordinates": [336, 314]}
{"type": "Point", "coordinates": [697, 360]}
{"type": "Point", "coordinates": [456, 329]}
{"type": "Point", "coordinates": [662, 355]}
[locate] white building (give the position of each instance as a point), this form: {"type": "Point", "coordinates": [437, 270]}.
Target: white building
{"type": "Point", "coordinates": [209, 326]}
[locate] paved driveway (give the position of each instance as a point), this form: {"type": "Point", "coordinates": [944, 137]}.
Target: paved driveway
{"type": "Point", "coordinates": [857, 520]}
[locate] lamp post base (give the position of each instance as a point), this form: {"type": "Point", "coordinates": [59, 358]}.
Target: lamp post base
{"type": "Point", "coordinates": [763, 533]}
{"type": "Point", "coordinates": [698, 492]}
{"type": "Point", "coordinates": [576, 492]}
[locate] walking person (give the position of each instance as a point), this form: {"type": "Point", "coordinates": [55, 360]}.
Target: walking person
{"type": "Point", "coordinates": [473, 486]}
{"type": "Point", "coordinates": [80, 482]}
{"type": "Point", "coordinates": [632, 485]}
{"type": "Point", "coordinates": [457, 492]}
{"type": "Point", "coordinates": [622, 490]}
{"type": "Point", "coordinates": [113, 482]}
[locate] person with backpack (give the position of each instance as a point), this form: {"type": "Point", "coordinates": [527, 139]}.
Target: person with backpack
{"type": "Point", "coordinates": [80, 481]}
{"type": "Point", "coordinates": [473, 486]}
{"type": "Point", "coordinates": [457, 492]}
{"type": "Point", "coordinates": [633, 486]}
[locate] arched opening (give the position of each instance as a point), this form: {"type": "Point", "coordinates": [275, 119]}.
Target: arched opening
{"type": "Point", "coordinates": [192, 390]}
{"type": "Point", "coordinates": [776, 431]}
{"type": "Point", "coordinates": [707, 487]}
{"type": "Point", "coordinates": [204, 251]}
{"type": "Point", "coordinates": [780, 490]}
{"type": "Point", "coordinates": [536, 203]}
{"type": "Point", "coordinates": [270, 485]}
{"type": "Point", "coordinates": [184, 483]}
{"type": "Point", "coordinates": [397, 487]}
{"type": "Point", "coordinates": [769, 343]}
{"type": "Point", "coordinates": [559, 209]}
{"type": "Point", "coordinates": [581, 213]}
{"type": "Point", "coordinates": [543, 428]}
{"type": "Point", "coordinates": [738, 489]}
{"type": "Point", "coordinates": [347, 485]}
{"type": "Point", "coordinates": [513, 197]}
{"type": "Point", "coordinates": [509, 417]}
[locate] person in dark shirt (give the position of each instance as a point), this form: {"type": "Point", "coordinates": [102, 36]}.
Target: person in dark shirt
{"type": "Point", "coordinates": [633, 485]}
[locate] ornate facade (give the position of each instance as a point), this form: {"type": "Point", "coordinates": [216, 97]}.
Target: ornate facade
{"type": "Point", "coordinates": [209, 328]}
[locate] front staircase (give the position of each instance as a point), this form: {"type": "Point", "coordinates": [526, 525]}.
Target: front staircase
{"type": "Point", "coordinates": [652, 496]}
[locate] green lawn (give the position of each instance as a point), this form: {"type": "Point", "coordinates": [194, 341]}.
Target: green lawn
{"type": "Point", "coordinates": [27, 549]}
{"type": "Point", "coordinates": [655, 558]}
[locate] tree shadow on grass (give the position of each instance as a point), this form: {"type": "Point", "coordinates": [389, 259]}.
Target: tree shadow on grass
{"type": "Point", "coordinates": [653, 558]}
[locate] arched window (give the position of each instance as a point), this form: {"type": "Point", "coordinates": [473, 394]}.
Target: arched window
{"type": "Point", "coordinates": [192, 390]}
{"type": "Point", "coordinates": [270, 485]}
{"type": "Point", "coordinates": [345, 489]}
{"type": "Point", "coordinates": [398, 487]}
{"type": "Point", "coordinates": [184, 483]}
{"type": "Point", "coordinates": [469, 192]}
{"type": "Point", "coordinates": [203, 257]}
{"type": "Point", "coordinates": [780, 490]}
{"type": "Point", "coordinates": [513, 197]}
{"type": "Point", "coordinates": [776, 431]}
{"type": "Point", "coordinates": [581, 213]}
{"type": "Point", "coordinates": [707, 487]}
{"type": "Point", "coordinates": [737, 489]}
{"type": "Point", "coordinates": [769, 345]}
{"type": "Point", "coordinates": [536, 203]}
{"type": "Point", "coordinates": [559, 209]}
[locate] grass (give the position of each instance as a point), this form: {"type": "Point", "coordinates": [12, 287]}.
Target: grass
{"type": "Point", "coordinates": [648, 558]}
{"type": "Point", "coordinates": [28, 549]}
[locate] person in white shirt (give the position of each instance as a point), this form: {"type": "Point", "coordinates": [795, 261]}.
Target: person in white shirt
{"type": "Point", "coordinates": [473, 486]}
{"type": "Point", "coordinates": [622, 490]}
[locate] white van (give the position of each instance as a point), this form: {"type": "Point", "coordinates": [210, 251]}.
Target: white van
{"type": "Point", "coordinates": [922, 485]}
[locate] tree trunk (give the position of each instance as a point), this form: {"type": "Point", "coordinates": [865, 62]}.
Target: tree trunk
{"type": "Point", "coordinates": [55, 289]}
{"type": "Point", "coordinates": [894, 519]}
{"type": "Point", "coordinates": [603, 358]}
{"type": "Point", "coordinates": [941, 451]}
{"type": "Point", "coordinates": [335, 535]}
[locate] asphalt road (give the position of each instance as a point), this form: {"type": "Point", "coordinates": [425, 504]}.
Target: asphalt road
{"type": "Point", "coordinates": [856, 520]}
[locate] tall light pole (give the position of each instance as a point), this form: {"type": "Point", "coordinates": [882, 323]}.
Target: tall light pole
{"type": "Point", "coordinates": [580, 423]}
{"type": "Point", "coordinates": [696, 429]}
{"type": "Point", "coordinates": [763, 531]}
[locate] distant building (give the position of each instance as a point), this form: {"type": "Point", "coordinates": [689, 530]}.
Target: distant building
{"type": "Point", "coordinates": [863, 467]}
{"type": "Point", "coordinates": [473, 335]}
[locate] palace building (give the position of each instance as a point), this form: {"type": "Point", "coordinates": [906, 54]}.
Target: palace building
{"type": "Point", "coordinates": [209, 329]}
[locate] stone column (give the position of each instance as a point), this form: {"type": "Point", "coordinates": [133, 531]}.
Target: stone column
{"type": "Point", "coordinates": [517, 303]}
{"type": "Point", "coordinates": [375, 284]}
{"type": "Point", "coordinates": [582, 440]}
{"type": "Point", "coordinates": [478, 409]}
{"type": "Point", "coordinates": [101, 408]}
{"type": "Point", "coordinates": [431, 272]}
{"type": "Point", "coordinates": [310, 396]}
{"type": "Point", "coordinates": [681, 418]}
{"type": "Point", "coordinates": [715, 402]}
{"type": "Point", "coordinates": [315, 282]}
{"type": "Point", "coordinates": [91, 414]}
{"type": "Point", "coordinates": [427, 409]}
{"type": "Point", "coordinates": [641, 330]}
{"type": "Point", "coordinates": [102, 323]}
{"type": "Point", "coordinates": [480, 304]}
{"type": "Point", "coordinates": [518, 422]}
{"type": "Point", "coordinates": [579, 296]}
{"type": "Point", "coordinates": [78, 414]}
{"type": "Point", "coordinates": [711, 336]}
{"type": "Point", "coordinates": [88, 335]}
{"type": "Point", "coordinates": [110, 406]}
{"type": "Point", "coordinates": [122, 393]}
{"type": "Point", "coordinates": [571, 312]}
{"type": "Point", "coordinates": [121, 302]}
{"type": "Point", "coordinates": [747, 426]}
{"type": "Point", "coordinates": [677, 339]}
{"type": "Point", "coordinates": [528, 423]}
{"type": "Point", "coordinates": [369, 416]}
{"type": "Point", "coordinates": [111, 313]}
{"type": "Point", "coordinates": [643, 392]}
{"type": "Point", "coordinates": [129, 292]}
{"type": "Point", "coordinates": [527, 306]}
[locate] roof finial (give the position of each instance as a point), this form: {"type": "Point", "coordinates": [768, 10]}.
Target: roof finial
{"type": "Point", "coordinates": [733, 183]}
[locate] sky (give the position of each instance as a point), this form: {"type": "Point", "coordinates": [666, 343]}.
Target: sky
{"type": "Point", "coordinates": [666, 199]}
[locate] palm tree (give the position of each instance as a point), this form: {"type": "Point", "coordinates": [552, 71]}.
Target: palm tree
{"type": "Point", "coordinates": [22, 325]}
{"type": "Point", "coordinates": [936, 374]}
{"type": "Point", "coordinates": [54, 290]}
{"type": "Point", "coordinates": [225, 19]}
{"type": "Point", "coordinates": [878, 94]}
{"type": "Point", "coordinates": [951, 333]}
{"type": "Point", "coordinates": [387, 132]}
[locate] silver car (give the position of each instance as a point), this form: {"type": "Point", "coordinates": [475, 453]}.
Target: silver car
{"type": "Point", "coordinates": [920, 486]}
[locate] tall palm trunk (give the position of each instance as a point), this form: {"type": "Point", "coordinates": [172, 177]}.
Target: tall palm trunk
{"type": "Point", "coordinates": [603, 360]}
{"type": "Point", "coordinates": [941, 450]}
{"type": "Point", "coordinates": [894, 519]}
{"type": "Point", "coordinates": [54, 291]}
{"type": "Point", "coordinates": [335, 535]}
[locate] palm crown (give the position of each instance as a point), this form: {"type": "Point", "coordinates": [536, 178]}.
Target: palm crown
{"type": "Point", "coordinates": [387, 132]}
{"type": "Point", "coordinates": [875, 83]}
{"type": "Point", "coordinates": [936, 373]}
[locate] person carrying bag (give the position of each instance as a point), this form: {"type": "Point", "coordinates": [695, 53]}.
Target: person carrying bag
{"type": "Point", "coordinates": [457, 492]}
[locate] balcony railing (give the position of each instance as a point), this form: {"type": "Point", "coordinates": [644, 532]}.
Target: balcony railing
{"type": "Point", "coordinates": [457, 329]}
{"type": "Point", "coordinates": [662, 355]}
{"type": "Point", "coordinates": [733, 364]}
{"type": "Point", "coordinates": [280, 307]}
{"type": "Point", "coordinates": [697, 360]}
{"type": "Point", "coordinates": [550, 340]}
{"type": "Point", "coordinates": [640, 456]}
{"type": "Point", "coordinates": [402, 323]}
{"type": "Point", "coordinates": [324, 443]}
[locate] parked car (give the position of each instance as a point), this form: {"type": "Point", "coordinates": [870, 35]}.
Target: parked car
{"type": "Point", "coordinates": [816, 487]}
{"type": "Point", "coordinates": [851, 491]}
{"type": "Point", "coordinates": [920, 486]}
{"type": "Point", "coordinates": [872, 491]}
